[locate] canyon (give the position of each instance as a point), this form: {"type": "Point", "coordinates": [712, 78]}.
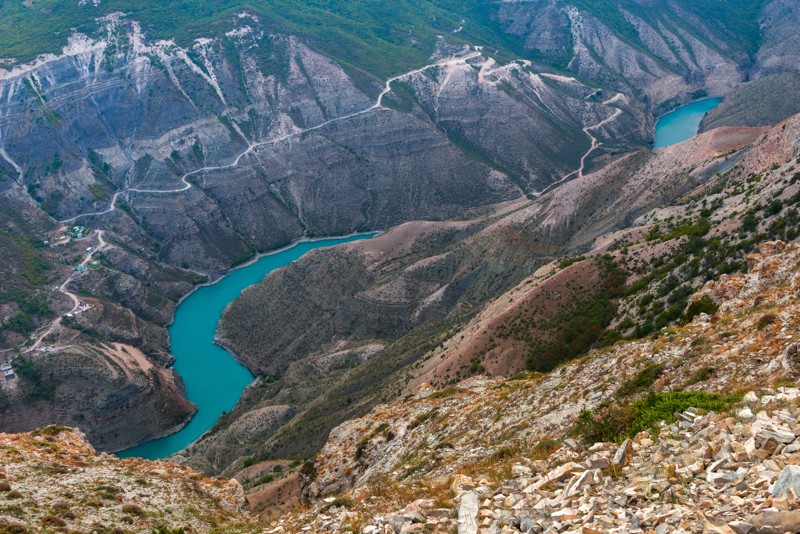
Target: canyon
{"type": "Point", "coordinates": [506, 161]}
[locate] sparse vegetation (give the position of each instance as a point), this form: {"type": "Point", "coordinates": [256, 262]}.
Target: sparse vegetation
{"type": "Point", "coordinates": [616, 421]}
{"type": "Point", "coordinates": [766, 320]}
{"type": "Point", "coordinates": [576, 328]}
{"type": "Point", "coordinates": [132, 509]}
{"type": "Point", "coordinates": [643, 380]}
{"type": "Point", "coordinates": [702, 374]}
{"type": "Point", "coordinates": [702, 305]}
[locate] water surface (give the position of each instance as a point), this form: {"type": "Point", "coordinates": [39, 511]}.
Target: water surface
{"type": "Point", "coordinates": [682, 123]}
{"type": "Point", "coordinates": [214, 379]}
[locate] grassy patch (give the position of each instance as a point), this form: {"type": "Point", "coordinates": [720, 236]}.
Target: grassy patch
{"type": "Point", "coordinates": [619, 421]}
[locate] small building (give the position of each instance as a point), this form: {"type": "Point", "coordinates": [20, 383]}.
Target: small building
{"type": "Point", "coordinates": [8, 372]}
{"type": "Point", "coordinates": [80, 268]}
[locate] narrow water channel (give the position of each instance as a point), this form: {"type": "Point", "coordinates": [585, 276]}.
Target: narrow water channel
{"type": "Point", "coordinates": [214, 379]}
{"type": "Point", "coordinates": [682, 123]}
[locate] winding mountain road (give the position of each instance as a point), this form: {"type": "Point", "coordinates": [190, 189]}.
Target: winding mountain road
{"type": "Point", "coordinates": [76, 301]}
{"type": "Point", "coordinates": [378, 105]}
{"type": "Point", "coordinates": [594, 142]}
{"type": "Point", "coordinates": [252, 146]}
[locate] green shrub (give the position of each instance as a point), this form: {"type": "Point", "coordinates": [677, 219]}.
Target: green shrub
{"type": "Point", "coordinates": [132, 509]}
{"type": "Point", "coordinates": [362, 445]}
{"type": "Point", "coordinates": [749, 223]}
{"type": "Point", "coordinates": [423, 418]}
{"type": "Point", "coordinates": [444, 393]}
{"type": "Point", "coordinates": [53, 520]}
{"type": "Point", "coordinates": [643, 380]}
{"type": "Point", "coordinates": [702, 305]}
{"type": "Point", "coordinates": [266, 479]}
{"type": "Point", "coordinates": [702, 374]}
{"type": "Point", "coordinates": [50, 430]}
{"type": "Point", "coordinates": [40, 389]}
{"type": "Point", "coordinates": [619, 421]}
{"type": "Point", "coordinates": [774, 208]}
{"type": "Point", "coordinates": [566, 262]}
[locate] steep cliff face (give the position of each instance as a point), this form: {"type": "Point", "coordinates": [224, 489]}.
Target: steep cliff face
{"type": "Point", "coordinates": [278, 140]}
{"type": "Point", "coordinates": [636, 48]}
{"type": "Point", "coordinates": [255, 118]}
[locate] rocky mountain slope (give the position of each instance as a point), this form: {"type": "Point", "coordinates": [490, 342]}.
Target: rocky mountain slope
{"type": "Point", "coordinates": [153, 158]}
{"type": "Point", "coordinates": [536, 451]}
{"type": "Point", "coordinates": [525, 454]}
{"type": "Point", "coordinates": [52, 480]}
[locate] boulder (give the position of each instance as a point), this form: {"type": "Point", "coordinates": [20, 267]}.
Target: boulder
{"type": "Point", "coordinates": [788, 479]}
{"type": "Point", "coordinates": [623, 455]}
{"type": "Point", "coordinates": [772, 522]}
{"type": "Point", "coordinates": [468, 513]}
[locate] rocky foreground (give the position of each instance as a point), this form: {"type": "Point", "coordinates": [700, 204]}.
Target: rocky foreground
{"type": "Point", "coordinates": [53, 480]}
{"type": "Point", "coordinates": [707, 472]}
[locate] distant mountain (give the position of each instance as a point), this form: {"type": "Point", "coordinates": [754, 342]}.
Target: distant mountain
{"type": "Point", "coordinates": [386, 38]}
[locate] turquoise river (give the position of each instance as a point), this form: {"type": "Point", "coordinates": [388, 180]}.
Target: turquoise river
{"type": "Point", "coordinates": [214, 379]}
{"type": "Point", "coordinates": [682, 123]}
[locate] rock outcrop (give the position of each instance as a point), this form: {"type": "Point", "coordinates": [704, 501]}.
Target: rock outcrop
{"type": "Point", "coordinates": [53, 480]}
